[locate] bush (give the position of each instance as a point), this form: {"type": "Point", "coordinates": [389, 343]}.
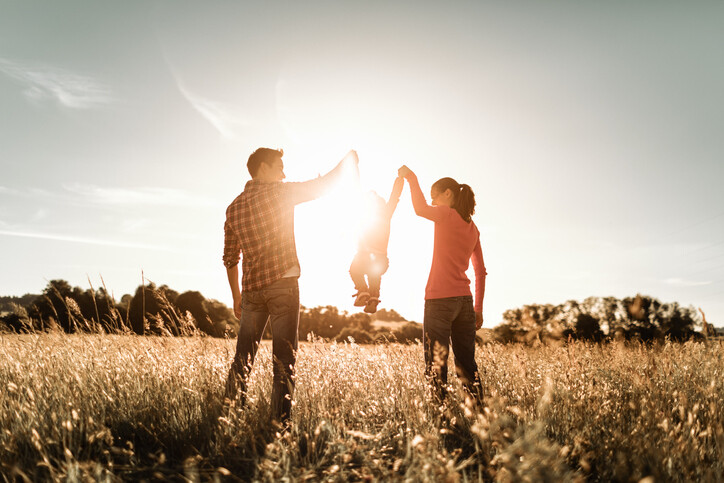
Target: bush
{"type": "Point", "coordinates": [409, 333]}
{"type": "Point", "coordinates": [357, 335]}
{"type": "Point", "coordinates": [588, 328]}
{"type": "Point", "coordinates": [17, 320]}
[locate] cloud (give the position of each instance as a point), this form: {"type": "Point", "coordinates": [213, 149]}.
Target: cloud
{"type": "Point", "coordinates": [678, 282]}
{"type": "Point", "coordinates": [100, 195]}
{"type": "Point", "coordinates": [78, 239]}
{"type": "Point", "coordinates": [218, 114]}
{"type": "Point", "coordinates": [43, 83]}
{"type": "Point", "coordinates": [139, 196]}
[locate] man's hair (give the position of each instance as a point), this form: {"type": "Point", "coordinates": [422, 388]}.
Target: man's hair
{"type": "Point", "coordinates": [262, 155]}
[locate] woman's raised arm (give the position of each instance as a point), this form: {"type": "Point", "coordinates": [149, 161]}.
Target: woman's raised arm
{"type": "Point", "coordinates": [418, 199]}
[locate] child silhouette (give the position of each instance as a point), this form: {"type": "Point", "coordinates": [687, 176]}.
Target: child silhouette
{"type": "Point", "coordinates": [371, 258]}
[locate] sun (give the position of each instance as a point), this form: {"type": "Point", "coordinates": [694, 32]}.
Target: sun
{"type": "Point", "coordinates": [328, 229]}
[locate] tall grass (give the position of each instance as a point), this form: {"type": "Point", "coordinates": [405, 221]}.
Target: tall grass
{"type": "Point", "coordinates": [111, 407]}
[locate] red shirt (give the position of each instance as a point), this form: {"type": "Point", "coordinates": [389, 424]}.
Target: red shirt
{"type": "Point", "coordinates": [260, 225]}
{"type": "Point", "coordinates": [456, 243]}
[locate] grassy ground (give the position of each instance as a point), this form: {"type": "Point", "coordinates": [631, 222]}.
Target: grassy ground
{"type": "Point", "coordinates": [123, 407]}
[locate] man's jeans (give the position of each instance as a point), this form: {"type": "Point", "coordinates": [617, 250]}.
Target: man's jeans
{"type": "Point", "coordinates": [278, 303]}
{"type": "Point", "coordinates": [451, 319]}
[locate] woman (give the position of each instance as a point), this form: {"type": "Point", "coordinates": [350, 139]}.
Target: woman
{"type": "Point", "coordinates": [449, 311]}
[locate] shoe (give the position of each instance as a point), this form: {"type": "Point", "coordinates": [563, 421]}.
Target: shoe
{"type": "Point", "coordinates": [371, 306]}
{"type": "Point", "coordinates": [362, 298]}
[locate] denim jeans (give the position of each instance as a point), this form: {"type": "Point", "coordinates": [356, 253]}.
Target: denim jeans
{"type": "Point", "coordinates": [277, 304]}
{"type": "Point", "coordinates": [446, 320]}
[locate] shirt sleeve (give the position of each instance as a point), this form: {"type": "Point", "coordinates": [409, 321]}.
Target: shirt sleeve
{"type": "Point", "coordinates": [480, 275]}
{"type": "Point", "coordinates": [232, 246]}
{"type": "Point", "coordinates": [420, 205]}
{"type": "Point", "coordinates": [300, 192]}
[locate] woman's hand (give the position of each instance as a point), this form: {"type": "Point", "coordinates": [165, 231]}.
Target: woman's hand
{"type": "Point", "coordinates": [404, 171]}
{"type": "Point", "coordinates": [478, 320]}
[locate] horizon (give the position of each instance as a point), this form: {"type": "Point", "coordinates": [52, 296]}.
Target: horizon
{"type": "Point", "coordinates": [589, 133]}
{"type": "Point", "coordinates": [387, 311]}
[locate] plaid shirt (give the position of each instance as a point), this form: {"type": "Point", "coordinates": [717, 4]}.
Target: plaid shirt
{"type": "Point", "coordinates": [260, 224]}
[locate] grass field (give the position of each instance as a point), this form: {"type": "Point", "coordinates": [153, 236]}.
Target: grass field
{"type": "Point", "coordinates": [122, 407]}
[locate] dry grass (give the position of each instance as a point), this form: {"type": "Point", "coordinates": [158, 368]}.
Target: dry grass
{"type": "Point", "coordinates": [123, 407]}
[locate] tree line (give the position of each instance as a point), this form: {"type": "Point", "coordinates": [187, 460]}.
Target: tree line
{"type": "Point", "coordinates": [598, 318]}
{"type": "Point", "coordinates": [160, 310]}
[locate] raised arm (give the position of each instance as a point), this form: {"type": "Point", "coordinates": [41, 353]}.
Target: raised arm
{"type": "Point", "coordinates": [395, 196]}
{"type": "Point", "coordinates": [418, 199]}
{"type": "Point", "coordinates": [480, 275]}
{"type": "Point", "coordinates": [312, 189]}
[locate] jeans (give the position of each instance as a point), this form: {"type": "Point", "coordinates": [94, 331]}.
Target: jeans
{"type": "Point", "coordinates": [371, 264]}
{"type": "Point", "coordinates": [451, 319]}
{"type": "Point", "coordinates": [279, 304]}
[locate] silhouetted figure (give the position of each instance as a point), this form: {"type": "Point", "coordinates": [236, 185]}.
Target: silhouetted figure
{"type": "Point", "coordinates": [450, 315]}
{"type": "Point", "coordinates": [371, 258]}
{"type": "Point", "coordinates": [260, 225]}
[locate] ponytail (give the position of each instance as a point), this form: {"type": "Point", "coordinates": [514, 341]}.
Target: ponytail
{"type": "Point", "coordinates": [463, 196]}
{"type": "Point", "coordinates": [465, 202]}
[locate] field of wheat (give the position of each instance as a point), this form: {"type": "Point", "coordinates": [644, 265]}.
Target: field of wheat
{"type": "Point", "coordinates": [113, 407]}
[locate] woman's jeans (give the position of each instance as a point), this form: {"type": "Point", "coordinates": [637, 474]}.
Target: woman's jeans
{"type": "Point", "coordinates": [278, 304]}
{"type": "Point", "coordinates": [451, 319]}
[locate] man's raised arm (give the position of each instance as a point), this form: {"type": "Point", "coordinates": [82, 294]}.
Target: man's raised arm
{"type": "Point", "coordinates": [312, 189]}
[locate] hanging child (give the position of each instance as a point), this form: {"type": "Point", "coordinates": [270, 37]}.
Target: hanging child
{"type": "Point", "coordinates": [371, 258]}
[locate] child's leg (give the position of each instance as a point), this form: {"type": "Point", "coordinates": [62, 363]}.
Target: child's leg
{"type": "Point", "coordinates": [378, 266]}
{"type": "Point", "coordinates": [357, 272]}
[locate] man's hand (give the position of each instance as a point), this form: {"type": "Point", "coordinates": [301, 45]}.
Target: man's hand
{"type": "Point", "coordinates": [237, 307]}
{"type": "Point", "coordinates": [351, 157]}
{"type": "Point", "coordinates": [478, 320]}
{"type": "Point", "coordinates": [233, 275]}
{"type": "Point", "coordinates": [404, 171]}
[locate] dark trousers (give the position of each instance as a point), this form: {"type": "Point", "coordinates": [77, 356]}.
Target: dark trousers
{"type": "Point", "coordinates": [279, 304]}
{"type": "Point", "coordinates": [448, 320]}
{"type": "Point", "coordinates": [372, 265]}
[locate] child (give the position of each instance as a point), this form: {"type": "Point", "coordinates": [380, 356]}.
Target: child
{"type": "Point", "coordinates": [371, 258]}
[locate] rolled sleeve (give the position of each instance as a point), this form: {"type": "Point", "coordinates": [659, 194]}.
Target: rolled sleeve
{"type": "Point", "coordinates": [232, 246]}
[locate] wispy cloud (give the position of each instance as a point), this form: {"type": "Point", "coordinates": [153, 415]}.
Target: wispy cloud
{"type": "Point", "coordinates": [220, 115]}
{"type": "Point", "coordinates": [144, 196]}
{"type": "Point", "coordinates": [43, 83]}
{"type": "Point", "coordinates": [104, 195]}
{"type": "Point", "coordinates": [28, 192]}
{"type": "Point", "coordinates": [225, 118]}
{"type": "Point", "coordinates": [679, 282]}
{"type": "Point", "coordinates": [78, 239]}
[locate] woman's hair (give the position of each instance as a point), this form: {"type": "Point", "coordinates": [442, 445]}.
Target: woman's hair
{"type": "Point", "coordinates": [463, 196]}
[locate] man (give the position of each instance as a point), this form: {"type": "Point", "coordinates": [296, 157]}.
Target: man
{"type": "Point", "coordinates": [260, 225]}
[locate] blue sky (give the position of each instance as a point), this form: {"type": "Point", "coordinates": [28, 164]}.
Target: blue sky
{"type": "Point", "coordinates": [590, 132]}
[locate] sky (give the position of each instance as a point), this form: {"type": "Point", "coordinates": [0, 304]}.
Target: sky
{"type": "Point", "coordinates": [589, 131]}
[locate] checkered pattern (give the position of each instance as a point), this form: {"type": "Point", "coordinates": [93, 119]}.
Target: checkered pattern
{"type": "Point", "coordinates": [260, 225]}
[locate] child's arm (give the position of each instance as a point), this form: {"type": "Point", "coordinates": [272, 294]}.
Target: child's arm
{"type": "Point", "coordinates": [395, 195]}
{"type": "Point", "coordinates": [418, 199]}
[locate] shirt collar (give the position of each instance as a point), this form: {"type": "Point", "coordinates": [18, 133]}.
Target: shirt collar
{"type": "Point", "coordinates": [255, 183]}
